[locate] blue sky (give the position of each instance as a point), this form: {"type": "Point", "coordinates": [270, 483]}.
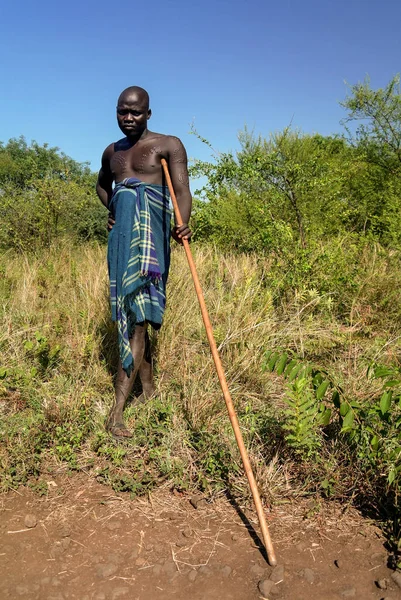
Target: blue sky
{"type": "Point", "coordinates": [219, 63]}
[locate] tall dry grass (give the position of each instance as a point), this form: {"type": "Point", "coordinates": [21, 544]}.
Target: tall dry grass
{"type": "Point", "coordinates": [59, 356]}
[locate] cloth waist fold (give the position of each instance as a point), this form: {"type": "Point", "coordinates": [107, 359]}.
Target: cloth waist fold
{"type": "Point", "coordinates": [138, 258]}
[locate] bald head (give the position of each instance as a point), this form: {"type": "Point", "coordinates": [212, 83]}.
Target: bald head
{"type": "Point", "coordinates": [134, 92]}
{"type": "Point", "coordinates": [133, 112]}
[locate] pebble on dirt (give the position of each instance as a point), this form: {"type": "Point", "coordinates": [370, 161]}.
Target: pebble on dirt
{"type": "Point", "coordinates": [267, 587]}
{"type": "Point", "coordinates": [56, 549]}
{"type": "Point", "coordinates": [187, 532]}
{"type": "Point", "coordinates": [172, 516]}
{"type": "Point", "coordinates": [106, 570]}
{"type": "Point", "coordinates": [378, 558]}
{"type": "Point", "coordinates": [226, 571]}
{"type": "Point", "coordinates": [197, 501]}
{"type": "Point", "coordinates": [396, 577]}
{"type": "Point", "coordinates": [257, 570]}
{"type": "Point", "coordinates": [348, 592]}
{"type": "Point", "coordinates": [170, 567]}
{"type": "Point", "coordinates": [382, 584]}
{"type": "Point", "coordinates": [30, 521]}
{"type": "Point", "coordinates": [307, 574]}
{"type": "Point", "coordinates": [277, 574]}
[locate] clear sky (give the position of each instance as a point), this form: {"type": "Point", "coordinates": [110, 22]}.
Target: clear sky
{"type": "Point", "coordinates": [219, 63]}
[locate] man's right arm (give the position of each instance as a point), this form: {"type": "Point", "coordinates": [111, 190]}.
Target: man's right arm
{"type": "Point", "coordinates": [104, 185]}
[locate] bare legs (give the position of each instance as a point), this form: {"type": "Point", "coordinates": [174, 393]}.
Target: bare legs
{"type": "Point", "coordinates": [140, 348]}
{"type": "Point", "coordinates": [146, 372]}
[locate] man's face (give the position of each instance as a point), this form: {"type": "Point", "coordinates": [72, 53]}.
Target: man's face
{"type": "Point", "coordinates": [132, 114]}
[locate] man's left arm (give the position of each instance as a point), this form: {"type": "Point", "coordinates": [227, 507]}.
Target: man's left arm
{"type": "Point", "coordinates": [178, 167]}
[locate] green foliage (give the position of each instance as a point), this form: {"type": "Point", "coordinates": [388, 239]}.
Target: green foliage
{"type": "Point", "coordinates": [70, 434]}
{"type": "Point", "coordinates": [137, 484]}
{"type": "Point", "coordinates": [371, 426]}
{"type": "Point", "coordinates": [273, 193]}
{"type": "Point", "coordinates": [45, 195]}
{"type": "Point", "coordinates": [21, 163]}
{"type": "Point", "coordinates": [41, 352]}
{"type": "Point", "coordinates": [293, 189]}
{"type": "Point", "coordinates": [23, 441]}
{"type": "Point", "coordinates": [373, 124]}
{"type": "Point", "coordinates": [277, 195]}
{"type": "Point", "coordinates": [146, 458]}
{"type": "Point", "coordinates": [39, 487]}
{"type": "Point", "coordinates": [306, 411]}
{"type": "Point", "coordinates": [215, 461]}
{"type": "Point", "coordinates": [378, 112]}
{"type": "Point", "coordinates": [301, 417]}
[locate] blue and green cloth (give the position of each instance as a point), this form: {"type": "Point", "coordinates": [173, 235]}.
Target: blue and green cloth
{"type": "Point", "coordinates": [138, 258]}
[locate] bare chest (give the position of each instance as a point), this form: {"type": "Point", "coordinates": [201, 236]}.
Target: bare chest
{"type": "Point", "coordinates": [140, 161]}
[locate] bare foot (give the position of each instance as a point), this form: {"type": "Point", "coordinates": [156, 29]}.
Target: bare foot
{"type": "Point", "coordinates": [118, 430]}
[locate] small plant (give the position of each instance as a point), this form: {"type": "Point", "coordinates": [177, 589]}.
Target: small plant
{"type": "Point", "coordinates": [216, 464]}
{"type": "Point", "coordinates": [302, 417]}
{"type": "Point", "coordinates": [136, 484]}
{"type": "Point", "coordinates": [39, 487]}
{"type": "Point", "coordinates": [47, 356]}
{"type": "Point", "coordinates": [373, 426]}
{"type": "Point", "coordinates": [305, 411]}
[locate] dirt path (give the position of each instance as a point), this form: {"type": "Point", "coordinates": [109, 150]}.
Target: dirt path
{"type": "Point", "coordinates": [88, 543]}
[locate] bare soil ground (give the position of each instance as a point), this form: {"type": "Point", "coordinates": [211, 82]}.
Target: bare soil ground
{"type": "Point", "coordinates": [83, 541]}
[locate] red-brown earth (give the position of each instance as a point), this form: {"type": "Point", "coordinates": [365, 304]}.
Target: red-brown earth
{"type": "Point", "coordinates": [81, 541]}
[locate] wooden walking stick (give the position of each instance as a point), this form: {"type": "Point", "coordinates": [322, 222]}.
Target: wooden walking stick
{"type": "Point", "coordinates": [220, 372]}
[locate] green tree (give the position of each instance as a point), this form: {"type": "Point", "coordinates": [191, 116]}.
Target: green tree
{"type": "Point", "coordinates": [378, 114]}
{"type": "Point", "coordinates": [291, 187]}
{"type": "Point", "coordinates": [45, 194]}
{"type": "Point", "coordinates": [20, 163]}
{"type": "Point", "coordinates": [375, 184]}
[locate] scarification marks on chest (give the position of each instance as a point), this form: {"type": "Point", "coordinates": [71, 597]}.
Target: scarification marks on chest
{"type": "Point", "coordinates": [119, 162]}
{"type": "Point", "coordinates": [146, 154]}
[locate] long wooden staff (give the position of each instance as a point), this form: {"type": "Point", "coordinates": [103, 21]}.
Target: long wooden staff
{"type": "Point", "coordinates": [227, 397]}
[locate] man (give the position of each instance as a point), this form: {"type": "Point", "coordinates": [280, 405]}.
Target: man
{"type": "Point", "coordinates": [139, 239]}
